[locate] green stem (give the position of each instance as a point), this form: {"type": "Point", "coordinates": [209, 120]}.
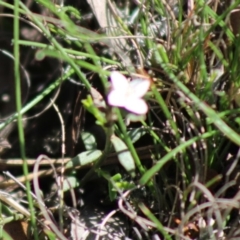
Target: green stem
{"type": "Point", "coordinates": [19, 119]}
{"type": "Point", "coordinates": [129, 142]}
{"type": "Point", "coordinates": [74, 53]}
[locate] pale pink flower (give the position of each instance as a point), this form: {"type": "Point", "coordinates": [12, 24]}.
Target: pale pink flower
{"type": "Point", "coordinates": [127, 94]}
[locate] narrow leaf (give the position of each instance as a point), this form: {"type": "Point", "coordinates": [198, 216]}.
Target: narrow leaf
{"type": "Point", "coordinates": [89, 141]}
{"type": "Point", "coordinates": [124, 156]}
{"type": "Point", "coordinates": [70, 183]}
{"type": "Point", "coordinates": [84, 158]}
{"type": "Point", "coordinates": [136, 134]}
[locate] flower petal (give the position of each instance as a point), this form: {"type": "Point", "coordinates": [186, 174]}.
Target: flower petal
{"type": "Point", "coordinates": [116, 98]}
{"type": "Point", "coordinates": [119, 82]}
{"type": "Point", "coordinates": [139, 87]}
{"type": "Point", "coordinates": [136, 105]}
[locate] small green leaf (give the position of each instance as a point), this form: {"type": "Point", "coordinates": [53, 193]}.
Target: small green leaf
{"type": "Point", "coordinates": [117, 183]}
{"type": "Point", "coordinates": [124, 185]}
{"type": "Point", "coordinates": [89, 141]}
{"type": "Point", "coordinates": [117, 177]}
{"type": "Point", "coordinates": [90, 106]}
{"type": "Point", "coordinates": [40, 55]}
{"type": "Point", "coordinates": [70, 183]}
{"type": "Point", "coordinates": [136, 134]}
{"type": "Point", "coordinates": [124, 156]}
{"type": "Point", "coordinates": [84, 158]}
{"type": "Point", "coordinates": [111, 190]}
